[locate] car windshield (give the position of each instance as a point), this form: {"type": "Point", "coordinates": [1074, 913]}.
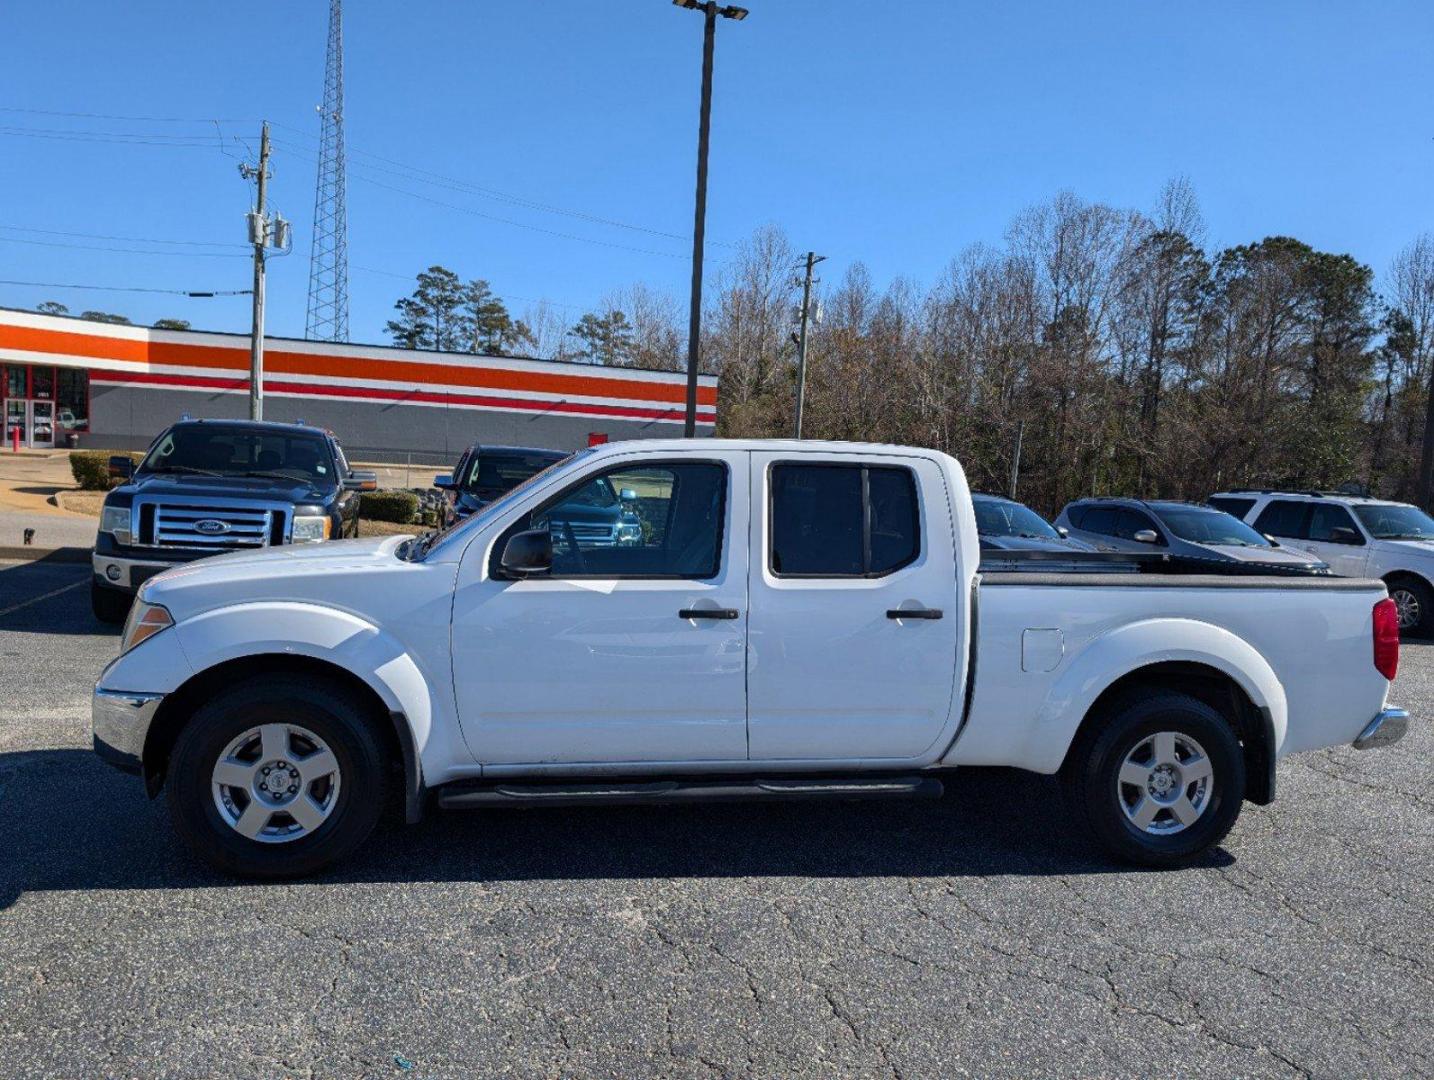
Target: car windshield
{"type": "Point", "coordinates": [1394, 521]}
{"type": "Point", "coordinates": [994, 518]}
{"type": "Point", "coordinates": [1201, 525]}
{"type": "Point", "coordinates": [420, 546]}
{"type": "Point", "coordinates": [214, 450]}
{"type": "Point", "coordinates": [495, 471]}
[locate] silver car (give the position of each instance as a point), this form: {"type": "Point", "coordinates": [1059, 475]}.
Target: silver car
{"type": "Point", "coordinates": [1176, 528]}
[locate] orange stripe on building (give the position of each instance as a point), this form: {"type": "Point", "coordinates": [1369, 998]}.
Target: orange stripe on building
{"type": "Point", "coordinates": [279, 361]}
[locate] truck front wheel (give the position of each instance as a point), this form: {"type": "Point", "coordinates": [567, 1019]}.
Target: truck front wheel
{"type": "Point", "coordinates": [277, 777]}
{"type": "Point", "coordinates": [109, 605]}
{"type": "Point", "coordinates": [1159, 778]}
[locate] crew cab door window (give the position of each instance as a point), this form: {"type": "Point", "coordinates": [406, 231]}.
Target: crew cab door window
{"type": "Point", "coordinates": [649, 521]}
{"type": "Point", "coordinates": [842, 520]}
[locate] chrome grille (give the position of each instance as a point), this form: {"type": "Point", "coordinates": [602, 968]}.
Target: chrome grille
{"type": "Point", "coordinates": [595, 533]}
{"type": "Point", "coordinates": [215, 527]}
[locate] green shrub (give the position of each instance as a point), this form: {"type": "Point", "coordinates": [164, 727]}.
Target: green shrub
{"type": "Point", "coordinates": [91, 468]}
{"type": "Point", "coordinates": [400, 507]}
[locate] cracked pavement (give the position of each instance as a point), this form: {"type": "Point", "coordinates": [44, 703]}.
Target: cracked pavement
{"type": "Point", "coordinates": [976, 936]}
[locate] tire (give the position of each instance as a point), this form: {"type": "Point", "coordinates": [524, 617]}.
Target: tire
{"type": "Point", "coordinates": [1194, 805]}
{"type": "Point", "coordinates": [109, 605]}
{"type": "Point", "coordinates": [1415, 603]}
{"type": "Point", "coordinates": [296, 721]}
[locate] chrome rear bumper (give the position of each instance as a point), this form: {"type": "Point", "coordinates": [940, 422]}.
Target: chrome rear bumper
{"type": "Point", "coordinates": [1386, 729]}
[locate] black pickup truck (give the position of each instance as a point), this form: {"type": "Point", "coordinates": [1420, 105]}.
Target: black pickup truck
{"type": "Point", "coordinates": [207, 487]}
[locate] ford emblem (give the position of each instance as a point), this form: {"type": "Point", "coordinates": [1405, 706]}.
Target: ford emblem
{"type": "Point", "coordinates": [211, 526]}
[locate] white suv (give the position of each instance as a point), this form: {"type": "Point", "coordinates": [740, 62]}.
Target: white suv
{"type": "Point", "coordinates": [1357, 536]}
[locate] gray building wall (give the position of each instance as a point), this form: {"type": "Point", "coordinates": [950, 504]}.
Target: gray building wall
{"type": "Point", "coordinates": [129, 417]}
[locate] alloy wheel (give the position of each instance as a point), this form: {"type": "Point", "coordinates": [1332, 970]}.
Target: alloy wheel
{"type": "Point", "coordinates": [276, 783]}
{"type": "Point", "coordinates": [1165, 783]}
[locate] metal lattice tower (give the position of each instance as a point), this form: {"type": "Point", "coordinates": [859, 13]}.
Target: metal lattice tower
{"type": "Point", "coordinates": [328, 312]}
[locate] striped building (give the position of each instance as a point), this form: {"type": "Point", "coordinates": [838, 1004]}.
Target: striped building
{"type": "Point", "coordinates": [118, 386]}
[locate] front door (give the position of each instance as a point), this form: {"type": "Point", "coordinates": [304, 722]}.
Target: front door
{"type": "Point", "coordinates": [843, 548]}
{"type": "Point", "coordinates": [1331, 534]}
{"type": "Point", "coordinates": [42, 423]}
{"type": "Point", "coordinates": [17, 421]}
{"type": "Point", "coordinates": [633, 647]}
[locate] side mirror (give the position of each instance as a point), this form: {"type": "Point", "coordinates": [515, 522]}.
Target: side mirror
{"type": "Point", "coordinates": [1063, 531]}
{"type": "Point", "coordinates": [627, 495]}
{"type": "Point", "coordinates": [1343, 535]}
{"type": "Point", "coordinates": [1146, 536]}
{"type": "Point", "coordinates": [528, 553]}
{"type": "Point", "coordinates": [443, 481]}
{"type": "Point", "coordinates": [361, 480]}
{"type": "Point", "coordinates": [1271, 539]}
{"type": "Point", "coordinates": [121, 467]}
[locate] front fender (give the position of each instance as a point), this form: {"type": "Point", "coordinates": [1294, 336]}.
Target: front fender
{"type": "Point", "coordinates": [322, 633]}
{"type": "Point", "coordinates": [1114, 655]}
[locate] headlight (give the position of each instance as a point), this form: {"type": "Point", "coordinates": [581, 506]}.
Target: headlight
{"type": "Point", "coordinates": [145, 620]}
{"type": "Point", "coordinates": [115, 519]}
{"type": "Point", "coordinates": [307, 529]}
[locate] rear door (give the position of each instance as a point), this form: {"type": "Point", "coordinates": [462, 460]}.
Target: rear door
{"type": "Point", "coordinates": [853, 624]}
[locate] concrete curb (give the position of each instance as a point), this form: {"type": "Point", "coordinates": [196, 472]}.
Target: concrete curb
{"type": "Point", "coordinates": [42, 554]}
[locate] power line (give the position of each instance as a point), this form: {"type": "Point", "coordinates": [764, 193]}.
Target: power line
{"type": "Point", "coordinates": [120, 251]}
{"type": "Point", "coordinates": [133, 119]}
{"type": "Point", "coordinates": [135, 239]}
{"type": "Point", "coordinates": [129, 288]}
{"type": "Point", "coordinates": [413, 172]}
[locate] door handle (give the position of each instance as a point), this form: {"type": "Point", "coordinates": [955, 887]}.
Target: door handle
{"type": "Point", "coordinates": [914, 613]}
{"type": "Point", "coordinates": [709, 613]}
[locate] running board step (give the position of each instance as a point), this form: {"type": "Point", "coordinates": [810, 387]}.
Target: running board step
{"type": "Point", "coordinates": [471, 797]}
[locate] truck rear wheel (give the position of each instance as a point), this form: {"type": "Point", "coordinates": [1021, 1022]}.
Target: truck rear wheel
{"type": "Point", "coordinates": [277, 777]}
{"type": "Point", "coordinates": [1159, 779]}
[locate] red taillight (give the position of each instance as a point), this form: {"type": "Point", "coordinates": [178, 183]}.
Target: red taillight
{"type": "Point", "coordinates": [1386, 638]}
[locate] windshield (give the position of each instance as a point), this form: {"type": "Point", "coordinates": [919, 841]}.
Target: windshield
{"type": "Point", "coordinates": [213, 450]}
{"type": "Point", "coordinates": [1200, 525]}
{"type": "Point", "coordinates": [1395, 521]}
{"type": "Point", "coordinates": [493, 471]}
{"type": "Point", "coordinates": [1011, 519]}
{"type": "Point", "coordinates": [420, 546]}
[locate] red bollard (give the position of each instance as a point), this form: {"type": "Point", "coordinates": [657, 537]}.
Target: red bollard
{"type": "Point", "coordinates": [15, 433]}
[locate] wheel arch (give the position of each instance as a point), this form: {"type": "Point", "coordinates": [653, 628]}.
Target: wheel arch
{"type": "Point", "coordinates": [1253, 724]}
{"type": "Point", "coordinates": [1208, 661]}
{"type": "Point", "coordinates": [390, 724]}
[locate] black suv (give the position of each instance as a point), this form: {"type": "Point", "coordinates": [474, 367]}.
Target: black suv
{"type": "Point", "coordinates": [207, 487]}
{"type": "Point", "coordinates": [485, 473]}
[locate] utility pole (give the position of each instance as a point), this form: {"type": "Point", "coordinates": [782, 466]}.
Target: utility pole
{"type": "Point", "coordinates": [1016, 459]}
{"type": "Point", "coordinates": [811, 261]}
{"type": "Point", "coordinates": [258, 235]}
{"type": "Point", "coordinates": [263, 234]}
{"type": "Point", "coordinates": [710, 10]}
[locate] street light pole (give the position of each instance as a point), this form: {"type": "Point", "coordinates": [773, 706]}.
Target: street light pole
{"type": "Point", "coordinates": [710, 10]}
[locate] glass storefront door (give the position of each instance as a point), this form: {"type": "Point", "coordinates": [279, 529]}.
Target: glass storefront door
{"type": "Point", "coordinates": [16, 420]}
{"type": "Point", "coordinates": [34, 420]}
{"type": "Point", "coordinates": [42, 423]}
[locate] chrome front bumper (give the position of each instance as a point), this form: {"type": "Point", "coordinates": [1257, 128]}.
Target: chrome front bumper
{"type": "Point", "coordinates": [119, 572]}
{"type": "Point", "coordinates": [1386, 729]}
{"type": "Point", "coordinates": [121, 723]}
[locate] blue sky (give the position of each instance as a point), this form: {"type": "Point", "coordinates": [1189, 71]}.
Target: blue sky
{"type": "Point", "coordinates": [892, 133]}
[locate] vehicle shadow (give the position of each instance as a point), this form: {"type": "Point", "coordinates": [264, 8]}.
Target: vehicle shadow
{"type": "Point", "coordinates": [50, 595]}
{"type": "Point", "coordinates": [74, 823]}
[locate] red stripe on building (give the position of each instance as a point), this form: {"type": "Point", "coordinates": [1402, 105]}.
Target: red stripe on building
{"type": "Point", "coordinates": [278, 386]}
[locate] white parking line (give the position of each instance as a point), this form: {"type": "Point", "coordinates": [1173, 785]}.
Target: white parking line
{"type": "Point", "coordinates": [44, 596]}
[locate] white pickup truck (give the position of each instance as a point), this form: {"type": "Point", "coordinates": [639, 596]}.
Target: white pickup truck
{"type": "Point", "coordinates": [792, 620]}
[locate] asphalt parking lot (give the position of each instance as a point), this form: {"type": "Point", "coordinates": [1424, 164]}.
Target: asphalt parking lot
{"type": "Point", "coordinates": [974, 936]}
